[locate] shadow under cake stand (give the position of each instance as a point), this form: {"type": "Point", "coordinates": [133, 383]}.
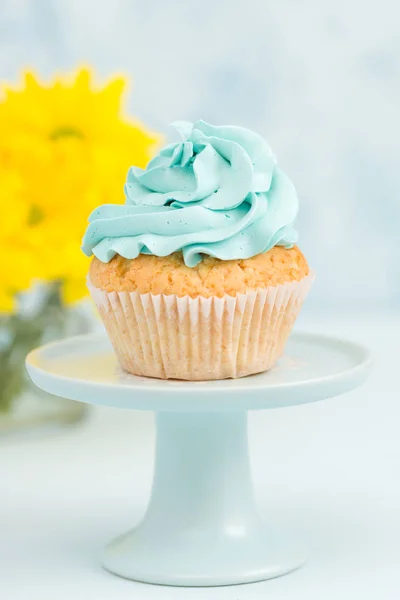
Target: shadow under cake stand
{"type": "Point", "coordinates": [202, 526]}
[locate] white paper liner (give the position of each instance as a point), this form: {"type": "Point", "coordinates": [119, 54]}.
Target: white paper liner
{"type": "Point", "coordinates": [168, 337]}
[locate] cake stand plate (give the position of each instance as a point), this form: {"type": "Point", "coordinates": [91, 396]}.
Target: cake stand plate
{"type": "Point", "coordinates": [202, 526]}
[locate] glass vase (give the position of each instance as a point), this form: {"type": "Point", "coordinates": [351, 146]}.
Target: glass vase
{"type": "Point", "coordinates": [41, 317]}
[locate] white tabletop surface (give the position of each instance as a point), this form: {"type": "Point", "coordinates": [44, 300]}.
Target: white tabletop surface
{"type": "Point", "coordinates": [330, 470]}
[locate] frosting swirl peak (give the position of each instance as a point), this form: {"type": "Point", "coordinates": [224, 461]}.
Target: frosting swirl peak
{"type": "Point", "coordinates": [218, 192]}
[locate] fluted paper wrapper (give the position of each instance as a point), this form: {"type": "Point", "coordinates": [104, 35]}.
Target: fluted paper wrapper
{"type": "Point", "coordinates": [168, 337]}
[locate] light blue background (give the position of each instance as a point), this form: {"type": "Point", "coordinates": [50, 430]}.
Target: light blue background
{"type": "Point", "coordinates": [321, 81]}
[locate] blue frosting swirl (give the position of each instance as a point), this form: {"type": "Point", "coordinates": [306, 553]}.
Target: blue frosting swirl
{"type": "Point", "coordinates": [217, 192]}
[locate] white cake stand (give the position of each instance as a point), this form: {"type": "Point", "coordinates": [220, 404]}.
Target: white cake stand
{"type": "Point", "coordinates": [202, 526]}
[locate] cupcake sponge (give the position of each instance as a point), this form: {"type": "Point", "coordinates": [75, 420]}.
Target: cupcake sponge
{"type": "Point", "coordinates": [210, 278]}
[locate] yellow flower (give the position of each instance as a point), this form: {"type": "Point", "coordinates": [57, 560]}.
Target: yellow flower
{"type": "Point", "coordinates": [65, 148]}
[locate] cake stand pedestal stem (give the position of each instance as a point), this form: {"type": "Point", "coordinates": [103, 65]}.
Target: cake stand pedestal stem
{"type": "Point", "coordinates": [202, 475]}
{"type": "Point", "coordinates": [202, 526]}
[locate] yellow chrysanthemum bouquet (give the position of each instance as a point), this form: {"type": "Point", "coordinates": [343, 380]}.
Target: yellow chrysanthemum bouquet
{"type": "Point", "coordinates": [65, 148]}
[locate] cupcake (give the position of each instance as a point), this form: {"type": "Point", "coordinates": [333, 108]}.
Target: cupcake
{"type": "Point", "coordinates": [198, 276]}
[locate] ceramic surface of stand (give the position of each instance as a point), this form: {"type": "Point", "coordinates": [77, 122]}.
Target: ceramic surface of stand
{"type": "Point", "coordinates": [202, 526]}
